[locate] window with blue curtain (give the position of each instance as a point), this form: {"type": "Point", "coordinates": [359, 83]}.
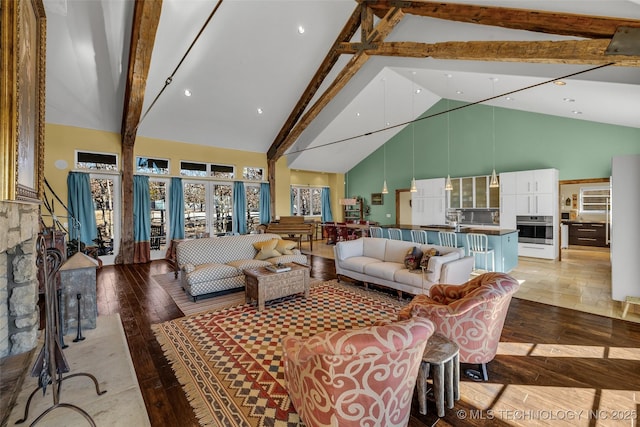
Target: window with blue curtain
{"type": "Point", "coordinates": [239, 221]}
{"type": "Point", "coordinates": [80, 205]}
{"type": "Point", "coordinates": [265, 203]}
{"type": "Point", "coordinates": [176, 209]}
{"type": "Point", "coordinates": [326, 216]}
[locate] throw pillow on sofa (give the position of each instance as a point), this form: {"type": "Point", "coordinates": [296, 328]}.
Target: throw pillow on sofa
{"type": "Point", "coordinates": [424, 262]}
{"type": "Point", "coordinates": [285, 246]}
{"type": "Point", "coordinates": [412, 258]}
{"type": "Point", "coordinates": [266, 249]}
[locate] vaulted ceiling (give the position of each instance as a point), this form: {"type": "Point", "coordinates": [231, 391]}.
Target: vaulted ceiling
{"type": "Point", "coordinates": [258, 82]}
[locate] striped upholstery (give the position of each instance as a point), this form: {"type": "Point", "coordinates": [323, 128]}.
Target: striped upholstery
{"type": "Point", "coordinates": [217, 263]}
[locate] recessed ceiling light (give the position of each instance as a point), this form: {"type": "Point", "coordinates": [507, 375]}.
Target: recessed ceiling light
{"type": "Point", "coordinates": [259, 110]}
{"type": "Point", "coordinates": [187, 92]}
{"type": "Point", "coordinates": [448, 75]}
{"type": "Point", "coordinates": [459, 92]}
{"type": "Point", "coordinates": [559, 83]}
{"type": "Point", "coordinates": [568, 100]}
{"type": "Point", "coordinates": [418, 90]}
{"type": "Point", "coordinates": [493, 79]}
{"type": "Point", "coordinates": [358, 114]}
{"type": "Point", "coordinates": [508, 98]}
{"type": "Point", "coordinates": [576, 112]}
{"type": "Point", "coordinates": [300, 29]}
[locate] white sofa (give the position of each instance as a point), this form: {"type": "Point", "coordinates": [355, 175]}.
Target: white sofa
{"type": "Point", "coordinates": [216, 264]}
{"type": "Point", "coordinates": [381, 261]}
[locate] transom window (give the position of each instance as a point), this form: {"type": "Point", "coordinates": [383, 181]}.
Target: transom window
{"type": "Point", "coordinates": [154, 166]}
{"type": "Point", "coordinates": [96, 161]}
{"type": "Point", "coordinates": [253, 174]}
{"type": "Point", "coordinates": [207, 169]}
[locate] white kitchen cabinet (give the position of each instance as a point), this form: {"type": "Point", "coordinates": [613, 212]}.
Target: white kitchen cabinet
{"type": "Point", "coordinates": [536, 181]}
{"type": "Point", "coordinates": [536, 204]}
{"type": "Point", "coordinates": [508, 200]}
{"type": "Point", "coordinates": [428, 204]}
{"type": "Point", "coordinates": [508, 182]}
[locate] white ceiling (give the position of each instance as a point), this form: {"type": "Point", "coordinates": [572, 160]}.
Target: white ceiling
{"type": "Point", "coordinates": [251, 56]}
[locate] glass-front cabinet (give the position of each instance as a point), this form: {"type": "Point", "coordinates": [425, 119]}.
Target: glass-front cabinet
{"type": "Point", "coordinates": [473, 192]}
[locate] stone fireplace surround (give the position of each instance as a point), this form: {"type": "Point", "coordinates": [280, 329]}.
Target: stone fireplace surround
{"type": "Point", "coordinates": [19, 318]}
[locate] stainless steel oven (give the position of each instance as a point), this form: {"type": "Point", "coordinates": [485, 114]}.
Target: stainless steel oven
{"type": "Point", "coordinates": [535, 229]}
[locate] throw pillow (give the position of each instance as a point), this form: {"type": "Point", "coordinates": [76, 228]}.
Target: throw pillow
{"type": "Point", "coordinates": [266, 249]}
{"type": "Point", "coordinates": [285, 246]}
{"type": "Point", "coordinates": [412, 258]}
{"type": "Point", "coordinates": [424, 262]}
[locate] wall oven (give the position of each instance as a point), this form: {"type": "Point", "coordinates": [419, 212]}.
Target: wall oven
{"type": "Point", "coordinates": [535, 229]}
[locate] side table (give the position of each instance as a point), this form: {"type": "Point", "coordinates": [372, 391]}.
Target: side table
{"type": "Point", "coordinates": [442, 355]}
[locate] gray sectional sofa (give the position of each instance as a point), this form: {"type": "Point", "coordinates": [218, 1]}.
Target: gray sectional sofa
{"type": "Point", "coordinates": [216, 264]}
{"type": "Point", "coordinates": [381, 261]}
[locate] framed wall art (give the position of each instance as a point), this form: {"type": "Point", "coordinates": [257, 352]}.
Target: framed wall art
{"type": "Point", "coordinates": [23, 98]}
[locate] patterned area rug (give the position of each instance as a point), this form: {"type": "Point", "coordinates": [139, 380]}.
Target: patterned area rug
{"type": "Point", "coordinates": [229, 361]}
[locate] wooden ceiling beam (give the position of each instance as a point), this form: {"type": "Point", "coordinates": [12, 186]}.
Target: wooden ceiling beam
{"type": "Point", "coordinates": [376, 36]}
{"type": "Point", "coordinates": [560, 23]}
{"type": "Point", "coordinates": [146, 17]}
{"type": "Point", "coordinates": [589, 52]}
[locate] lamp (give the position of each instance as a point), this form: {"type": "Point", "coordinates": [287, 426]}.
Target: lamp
{"type": "Point", "coordinates": [494, 178]}
{"type": "Point", "coordinates": [413, 188]}
{"type": "Point", "coordinates": [447, 184]}
{"type": "Point", "coordinates": [385, 190]}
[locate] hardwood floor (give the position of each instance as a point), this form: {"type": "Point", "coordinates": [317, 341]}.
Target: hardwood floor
{"type": "Point", "coordinates": [551, 360]}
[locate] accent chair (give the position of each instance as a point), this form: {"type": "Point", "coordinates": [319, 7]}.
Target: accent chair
{"type": "Point", "coordinates": [471, 315]}
{"type": "Point", "coordinates": [356, 377]}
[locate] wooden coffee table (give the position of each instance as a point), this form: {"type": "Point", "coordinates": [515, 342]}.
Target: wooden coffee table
{"type": "Point", "coordinates": [263, 285]}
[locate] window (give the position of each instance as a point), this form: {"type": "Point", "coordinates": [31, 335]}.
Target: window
{"type": "Point", "coordinates": [222, 208]}
{"type": "Point", "coordinates": [306, 201]}
{"type": "Point", "coordinates": [223, 171]}
{"type": "Point", "coordinates": [195, 209]}
{"type": "Point", "coordinates": [595, 199]}
{"type": "Point", "coordinates": [193, 169]}
{"type": "Point", "coordinates": [253, 174]}
{"type": "Point", "coordinates": [207, 169]}
{"type": "Point", "coordinates": [253, 206]}
{"type": "Point", "coordinates": [105, 191]}
{"type": "Point", "coordinates": [158, 196]}
{"type": "Point", "coordinates": [96, 161]}
{"type": "Point", "coordinates": [155, 166]}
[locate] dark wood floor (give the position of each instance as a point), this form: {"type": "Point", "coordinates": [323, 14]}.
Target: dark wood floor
{"type": "Point", "coordinates": [532, 327]}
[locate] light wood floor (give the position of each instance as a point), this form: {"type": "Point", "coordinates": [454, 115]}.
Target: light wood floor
{"type": "Point", "coordinates": [581, 281]}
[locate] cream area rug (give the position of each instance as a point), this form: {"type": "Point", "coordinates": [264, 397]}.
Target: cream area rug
{"type": "Point", "coordinates": [105, 355]}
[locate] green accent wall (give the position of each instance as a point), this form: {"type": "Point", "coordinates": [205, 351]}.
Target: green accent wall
{"type": "Point", "coordinates": [579, 149]}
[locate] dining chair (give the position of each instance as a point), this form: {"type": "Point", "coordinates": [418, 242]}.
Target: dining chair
{"type": "Point", "coordinates": [394, 233]}
{"type": "Point", "coordinates": [479, 244]}
{"type": "Point", "coordinates": [448, 238]}
{"type": "Point", "coordinates": [375, 232]}
{"type": "Point", "coordinates": [419, 236]}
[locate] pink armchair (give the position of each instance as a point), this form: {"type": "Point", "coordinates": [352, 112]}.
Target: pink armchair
{"type": "Point", "coordinates": [472, 315]}
{"type": "Point", "coordinates": [356, 377]}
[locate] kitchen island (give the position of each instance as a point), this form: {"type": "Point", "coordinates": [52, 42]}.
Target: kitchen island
{"type": "Point", "coordinates": [504, 242]}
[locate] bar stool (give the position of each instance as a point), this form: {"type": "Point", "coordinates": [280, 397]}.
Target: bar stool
{"type": "Point", "coordinates": [448, 238]}
{"type": "Point", "coordinates": [375, 232]}
{"type": "Point", "coordinates": [419, 236]}
{"type": "Point", "coordinates": [479, 244]}
{"type": "Point", "coordinates": [394, 233]}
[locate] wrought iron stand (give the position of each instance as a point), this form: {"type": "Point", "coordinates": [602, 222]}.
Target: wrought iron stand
{"type": "Point", "coordinates": [51, 363]}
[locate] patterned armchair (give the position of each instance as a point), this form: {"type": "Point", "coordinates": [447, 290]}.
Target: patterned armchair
{"type": "Point", "coordinates": [356, 377]}
{"type": "Point", "coordinates": [472, 315]}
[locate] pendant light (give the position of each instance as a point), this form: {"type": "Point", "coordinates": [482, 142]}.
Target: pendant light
{"type": "Point", "coordinates": [413, 188]}
{"type": "Point", "coordinates": [447, 184]}
{"type": "Point", "coordinates": [494, 178]}
{"type": "Point", "coordinates": [385, 190]}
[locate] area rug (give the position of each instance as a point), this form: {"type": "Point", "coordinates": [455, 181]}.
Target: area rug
{"type": "Point", "coordinates": [229, 361]}
{"type": "Point", "coordinates": [173, 287]}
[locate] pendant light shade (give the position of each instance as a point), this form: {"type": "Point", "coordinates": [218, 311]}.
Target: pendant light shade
{"type": "Point", "coordinates": [413, 188]}
{"type": "Point", "coordinates": [385, 190]}
{"type": "Point", "coordinates": [447, 184]}
{"type": "Point", "coordinates": [494, 183]}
